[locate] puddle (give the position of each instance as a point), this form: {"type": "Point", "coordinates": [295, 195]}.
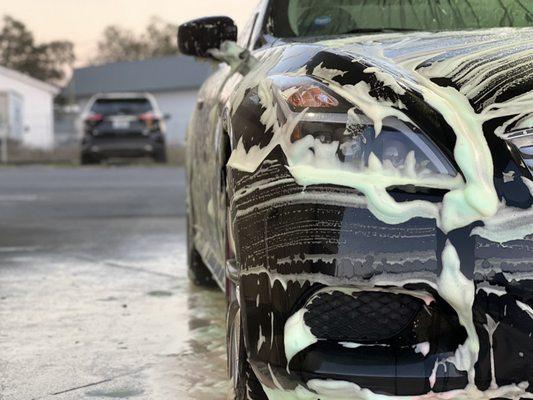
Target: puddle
{"type": "Point", "coordinates": [115, 394]}
{"type": "Point", "coordinates": [196, 323]}
{"type": "Point", "coordinates": [159, 293]}
{"type": "Point", "coordinates": [110, 298]}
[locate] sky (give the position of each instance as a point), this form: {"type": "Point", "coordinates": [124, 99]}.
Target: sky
{"type": "Point", "coordinates": [82, 21]}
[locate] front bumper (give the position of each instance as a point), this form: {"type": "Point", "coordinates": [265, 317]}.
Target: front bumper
{"type": "Point", "coordinates": [292, 244]}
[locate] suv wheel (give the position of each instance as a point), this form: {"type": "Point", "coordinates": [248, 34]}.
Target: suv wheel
{"type": "Point", "coordinates": [160, 156]}
{"type": "Point", "coordinates": [87, 159]}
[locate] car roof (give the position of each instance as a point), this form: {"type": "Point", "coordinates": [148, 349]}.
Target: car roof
{"type": "Point", "coordinates": [121, 96]}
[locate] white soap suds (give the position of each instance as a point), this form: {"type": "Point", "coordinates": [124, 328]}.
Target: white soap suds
{"type": "Point", "coordinates": [422, 348]}
{"type": "Point", "coordinates": [509, 223]}
{"type": "Point", "coordinates": [261, 339]}
{"type": "Point", "coordinates": [350, 345]}
{"type": "Point", "coordinates": [491, 327]}
{"type": "Point", "coordinates": [474, 199]}
{"type": "Point", "coordinates": [341, 390]}
{"type": "Point", "coordinates": [327, 73]}
{"type": "Point", "coordinates": [460, 292]}
{"type": "Point", "coordinates": [297, 335]}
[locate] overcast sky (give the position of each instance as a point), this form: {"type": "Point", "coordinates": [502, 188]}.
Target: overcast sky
{"type": "Point", "coordinates": [82, 21]}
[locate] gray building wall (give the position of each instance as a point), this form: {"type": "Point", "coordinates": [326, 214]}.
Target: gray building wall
{"type": "Point", "coordinates": [180, 105]}
{"type": "Point", "coordinates": [65, 128]}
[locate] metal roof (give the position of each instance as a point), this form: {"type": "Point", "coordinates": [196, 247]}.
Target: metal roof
{"type": "Point", "coordinates": [153, 75]}
{"type": "Point", "coordinates": [10, 73]}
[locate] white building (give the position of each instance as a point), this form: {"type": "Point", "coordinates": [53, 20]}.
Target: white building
{"type": "Point", "coordinates": [174, 82]}
{"type": "Point", "coordinates": [26, 109]}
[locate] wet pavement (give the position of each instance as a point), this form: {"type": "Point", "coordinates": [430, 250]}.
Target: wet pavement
{"type": "Point", "coordinates": [94, 297]}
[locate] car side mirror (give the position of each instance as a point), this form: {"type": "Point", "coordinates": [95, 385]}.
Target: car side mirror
{"type": "Point", "coordinates": [198, 37]}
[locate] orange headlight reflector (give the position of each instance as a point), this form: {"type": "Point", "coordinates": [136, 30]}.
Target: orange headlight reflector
{"type": "Point", "coordinates": [310, 96]}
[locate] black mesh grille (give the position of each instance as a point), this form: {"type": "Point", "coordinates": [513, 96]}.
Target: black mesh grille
{"type": "Point", "coordinates": [361, 317]}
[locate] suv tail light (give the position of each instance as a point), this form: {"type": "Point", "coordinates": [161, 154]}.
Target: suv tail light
{"type": "Point", "coordinates": [93, 117]}
{"type": "Point", "coordinates": [148, 117]}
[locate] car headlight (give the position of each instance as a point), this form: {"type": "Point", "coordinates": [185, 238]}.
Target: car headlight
{"type": "Point", "coordinates": [301, 92]}
{"type": "Point", "coordinates": [401, 148]}
{"type": "Point", "coordinates": [522, 142]}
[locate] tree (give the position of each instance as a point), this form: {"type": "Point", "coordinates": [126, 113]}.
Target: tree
{"type": "Point", "coordinates": [120, 44]}
{"type": "Point", "coordinates": [45, 61]}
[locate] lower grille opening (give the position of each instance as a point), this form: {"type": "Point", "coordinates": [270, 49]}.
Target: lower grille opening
{"type": "Point", "coordinates": [379, 317]}
{"type": "Point", "coordinates": [389, 342]}
{"type": "Point", "coordinates": [363, 317]}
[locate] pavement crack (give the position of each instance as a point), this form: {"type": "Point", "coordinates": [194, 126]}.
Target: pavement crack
{"type": "Point", "coordinates": [82, 386]}
{"type": "Point", "coordinates": [114, 264]}
{"type": "Point", "coordinates": [94, 383]}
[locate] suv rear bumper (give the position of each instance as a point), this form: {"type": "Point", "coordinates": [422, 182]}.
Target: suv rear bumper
{"type": "Point", "coordinates": [114, 146]}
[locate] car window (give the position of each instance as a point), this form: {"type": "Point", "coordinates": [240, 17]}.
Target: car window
{"type": "Point", "coordinates": [246, 34]}
{"type": "Point", "coordinates": [290, 18]}
{"type": "Point", "coordinates": [252, 30]}
{"type": "Point", "coordinates": [121, 106]}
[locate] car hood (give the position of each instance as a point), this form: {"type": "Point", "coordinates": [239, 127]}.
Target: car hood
{"type": "Point", "coordinates": [484, 66]}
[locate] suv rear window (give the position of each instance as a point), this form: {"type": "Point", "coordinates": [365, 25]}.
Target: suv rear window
{"type": "Point", "coordinates": [121, 106]}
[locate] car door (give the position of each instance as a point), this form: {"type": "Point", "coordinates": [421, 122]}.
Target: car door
{"type": "Point", "coordinates": [203, 167]}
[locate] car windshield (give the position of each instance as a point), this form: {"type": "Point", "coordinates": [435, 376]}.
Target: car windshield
{"type": "Point", "coordinates": [300, 18]}
{"type": "Point", "coordinates": [121, 106]}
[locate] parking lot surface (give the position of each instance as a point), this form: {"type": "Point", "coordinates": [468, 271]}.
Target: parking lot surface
{"type": "Point", "coordinates": [94, 297]}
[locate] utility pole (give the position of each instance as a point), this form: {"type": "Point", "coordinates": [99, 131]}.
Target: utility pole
{"type": "Point", "coordinates": [5, 137]}
{"type": "Point", "coordinates": [4, 127]}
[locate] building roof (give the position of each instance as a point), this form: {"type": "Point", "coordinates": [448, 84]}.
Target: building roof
{"type": "Point", "coordinates": [28, 80]}
{"type": "Point", "coordinates": [153, 75]}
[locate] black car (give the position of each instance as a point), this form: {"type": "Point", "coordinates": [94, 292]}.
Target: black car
{"type": "Point", "coordinates": [360, 185]}
{"type": "Point", "coordinates": [122, 125]}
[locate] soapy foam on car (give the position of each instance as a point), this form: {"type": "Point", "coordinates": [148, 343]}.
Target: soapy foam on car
{"type": "Point", "coordinates": [475, 200]}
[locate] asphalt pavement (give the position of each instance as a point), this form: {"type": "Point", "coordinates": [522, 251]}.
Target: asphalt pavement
{"type": "Point", "coordinates": [94, 297]}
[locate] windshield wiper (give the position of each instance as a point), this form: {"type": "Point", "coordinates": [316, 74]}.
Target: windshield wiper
{"type": "Point", "coordinates": [378, 30]}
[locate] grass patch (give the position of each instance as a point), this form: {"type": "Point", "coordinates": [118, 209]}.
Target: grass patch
{"type": "Point", "coordinates": [70, 156]}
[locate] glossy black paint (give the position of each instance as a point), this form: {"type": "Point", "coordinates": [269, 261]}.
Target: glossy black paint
{"type": "Point", "coordinates": [274, 234]}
